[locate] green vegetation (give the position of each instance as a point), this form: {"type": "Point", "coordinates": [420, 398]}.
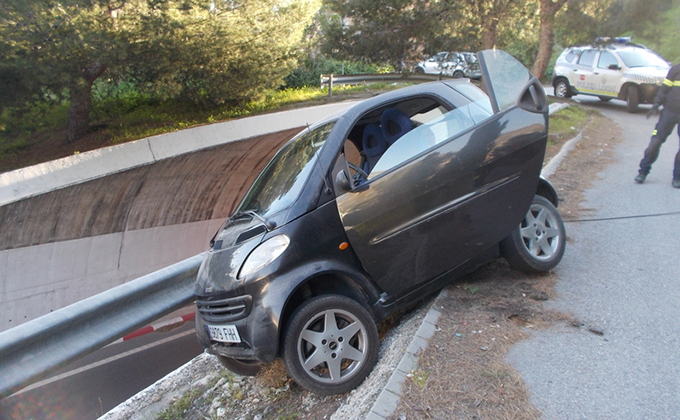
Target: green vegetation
{"type": "Point", "coordinates": [131, 116]}
{"type": "Point", "coordinates": [661, 35]}
{"type": "Point", "coordinates": [179, 407]}
{"type": "Point", "coordinates": [119, 71]}
{"type": "Point", "coordinates": [420, 378]}
{"type": "Point", "coordinates": [565, 124]}
{"type": "Point", "coordinates": [565, 121]}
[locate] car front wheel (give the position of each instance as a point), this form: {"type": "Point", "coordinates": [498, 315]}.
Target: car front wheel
{"type": "Point", "coordinates": [538, 243]}
{"type": "Point", "coordinates": [562, 89]}
{"type": "Point", "coordinates": [331, 345]}
{"type": "Point", "coordinates": [632, 99]}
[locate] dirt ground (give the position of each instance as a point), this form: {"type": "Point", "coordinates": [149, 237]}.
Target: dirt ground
{"type": "Point", "coordinates": [463, 373]}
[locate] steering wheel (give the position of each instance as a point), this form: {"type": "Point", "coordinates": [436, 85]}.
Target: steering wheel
{"type": "Point", "coordinates": [358, 170]}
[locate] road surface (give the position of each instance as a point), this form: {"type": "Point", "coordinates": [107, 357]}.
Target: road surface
{"type": "Point", "coordinates": [619, 276]}
{"type": "Point", "coordinates": [95, 384]}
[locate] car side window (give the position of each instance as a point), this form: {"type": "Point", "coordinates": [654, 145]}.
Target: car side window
{"type": "Point", "coordinates": [587, 58]}
{"type": "Point", "coordinates": [606, 60]}
{"type": "Point", "coordinates": [572, 55]}
{"type": "Point", "coordinates": [445, 126]}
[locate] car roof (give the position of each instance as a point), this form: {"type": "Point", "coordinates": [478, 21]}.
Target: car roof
{"type": "Point", "coordinates": [610, 47]}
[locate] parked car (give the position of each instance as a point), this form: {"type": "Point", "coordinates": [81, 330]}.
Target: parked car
{"type": "Point", "coordinates": [367, 212]}
{"type": "Point", "coordinates": [610, 69]}
{"type": "Point", "coordinates": [456, 64]}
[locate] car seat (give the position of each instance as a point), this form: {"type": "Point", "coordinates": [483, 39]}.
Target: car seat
{"type": "Point", "coordinates": [394, 124]}
{"type": "Point", "coordinates": [374, 145]}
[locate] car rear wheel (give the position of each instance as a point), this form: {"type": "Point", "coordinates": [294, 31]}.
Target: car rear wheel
{"type": "Point", "coordinates": [331, 345]}
{"type": "Point", "coordinates": [632, 99]}
{"type": "Point", "coordinates": [562, 89]}
{"type": "Point", "coordinates": [458, 74]}
{"type": "Point", "coordinates": [241, 367]}
{"type": "Point", "coordinates": [419, 70]}
{"type": "Point", "coordinates": [538, 243]}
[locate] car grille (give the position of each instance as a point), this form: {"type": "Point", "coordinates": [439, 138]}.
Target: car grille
{"type": "Point", "coordinates": [224, 310]}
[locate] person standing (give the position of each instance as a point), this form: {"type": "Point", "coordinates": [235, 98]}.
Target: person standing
{"type": "Point", "coordinates": [669, 97]}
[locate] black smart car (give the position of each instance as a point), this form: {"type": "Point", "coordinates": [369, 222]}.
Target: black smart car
{"type": "Point", "coordinates": [367, 212]}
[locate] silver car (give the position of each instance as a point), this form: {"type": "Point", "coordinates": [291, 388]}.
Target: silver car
{"type": "Point", "coordinates": [610, 69]}
{"type": "Point", "coordinates": [456, 64]}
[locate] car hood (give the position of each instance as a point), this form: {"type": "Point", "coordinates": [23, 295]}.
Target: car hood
{"type": "Point", "coordinates": [221, 265]}
{"type": "Point", "coordinates": [649, 74]}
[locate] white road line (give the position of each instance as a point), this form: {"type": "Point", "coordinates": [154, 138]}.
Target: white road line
{"type": "Point", "coordinates": [103, 362]}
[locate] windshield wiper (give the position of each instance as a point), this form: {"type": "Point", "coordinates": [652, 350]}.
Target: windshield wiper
{"type": "Point", "coordinates": [267, 223]}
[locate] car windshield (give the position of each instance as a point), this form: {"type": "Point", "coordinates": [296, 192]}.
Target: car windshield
{"type": "Point", "coordinates": [281, 181]}
{"type": "Point", "coordinates": [642, 58]}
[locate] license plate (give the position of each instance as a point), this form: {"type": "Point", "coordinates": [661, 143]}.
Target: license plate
{"type": "Point", "coordinates": [224, 333]}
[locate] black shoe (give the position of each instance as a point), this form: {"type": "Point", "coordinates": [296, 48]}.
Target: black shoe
{"type": "Point", "coordinates": [641, 178]}
{"type": "Point", "coordinates": [676, 183]}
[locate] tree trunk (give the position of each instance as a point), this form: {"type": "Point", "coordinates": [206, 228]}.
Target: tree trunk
{"type": "Point", "coordinates": [488, 38]}
{"type": "Point", "coordinates": [78, 122]}
{"type": "Point", "coordinates": [78, 118]}
{"type": "Point", "coordinates": [546, 36]}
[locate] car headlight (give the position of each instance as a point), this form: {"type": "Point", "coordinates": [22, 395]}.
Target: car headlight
{"type": "Point", "coordinates": [264, 254]}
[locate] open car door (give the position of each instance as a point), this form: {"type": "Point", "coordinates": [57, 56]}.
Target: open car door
{"type": "Point", "coordinates": [453, 187]}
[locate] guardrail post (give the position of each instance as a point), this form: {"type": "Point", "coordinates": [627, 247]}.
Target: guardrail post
{"type": "Point", "coordinates": [330, 85]}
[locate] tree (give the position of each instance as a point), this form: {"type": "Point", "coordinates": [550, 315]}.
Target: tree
{"type": "Point", "coordinates": [376, 31]}
{"type": "Point", "coordinates": [546, 37]}
{"type": "Point", "coordinates": [206, 52]}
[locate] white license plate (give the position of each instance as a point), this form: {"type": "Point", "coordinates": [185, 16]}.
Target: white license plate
{"type": "Point", "coordinates": [224, 333]}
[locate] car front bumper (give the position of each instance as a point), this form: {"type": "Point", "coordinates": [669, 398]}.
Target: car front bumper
{"type": "Point", "coordinates": [258, 332]}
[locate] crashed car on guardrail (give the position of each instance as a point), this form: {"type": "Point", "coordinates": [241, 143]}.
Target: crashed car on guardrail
{"type": "Point", "coordinates": [367, 212]}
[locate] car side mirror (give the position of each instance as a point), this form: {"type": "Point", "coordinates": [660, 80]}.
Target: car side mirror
{"type": "Point", "coordinates": [533, 98]}
{"type": "Point", "coordinates": [342, 182]}
{"type": "Point", "coordinates": [614, 67]}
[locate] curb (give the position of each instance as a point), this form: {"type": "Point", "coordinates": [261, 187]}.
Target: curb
{"type": "Point", "coordinates": [388, 400]}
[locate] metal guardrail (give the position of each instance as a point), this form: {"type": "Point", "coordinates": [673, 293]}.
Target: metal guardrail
{"type": "Point", "coordinates": [31, 351]}
{"type": "Point", "coordinates": [356, 79]}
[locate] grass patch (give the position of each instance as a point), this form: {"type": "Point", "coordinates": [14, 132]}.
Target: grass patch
{"type": "Point", "coordinates": [153, 119]}
{"type": "Point", "coordinates": [566, 123]}
{"type": "Point", "coordinates": [38, 134]}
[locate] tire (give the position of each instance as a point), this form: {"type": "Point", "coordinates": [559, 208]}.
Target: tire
{"type": "Point", "coordinates": [331, 345]}
{"type": "Point", "coordinates": [241, 367]}
{"type": "Point", "coordinates": [538, 243]}
{"type": "Point", "coordinates": [562, 88]}
{"type": "Point", "coordinates": [632, 98]}
{"type": "Point", "coordinates": [419, 70]}
{"type": "Point", "coordinates": [458, 74]}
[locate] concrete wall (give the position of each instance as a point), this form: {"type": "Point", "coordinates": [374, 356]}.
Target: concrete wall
{"type": "Point", "coordinates": [37, 280]}
{"type": "Point", "coordinates": [77, 226]}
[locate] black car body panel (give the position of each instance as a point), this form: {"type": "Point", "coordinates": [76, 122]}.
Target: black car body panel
{"type": "Point", "coordinates": [432, 205]}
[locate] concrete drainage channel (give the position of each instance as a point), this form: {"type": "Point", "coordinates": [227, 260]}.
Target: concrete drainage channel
{"type": "Point", "coordinates": [376, 399]}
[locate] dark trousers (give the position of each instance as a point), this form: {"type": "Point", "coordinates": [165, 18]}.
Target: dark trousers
{"type": "Point", "coordinates": [667, 121]}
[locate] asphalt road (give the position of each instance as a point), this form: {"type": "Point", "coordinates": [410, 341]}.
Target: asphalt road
{"type": "Point", "coordinates": [97, 383]}
{"type": "Point", "coordinates": [620, 276]}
